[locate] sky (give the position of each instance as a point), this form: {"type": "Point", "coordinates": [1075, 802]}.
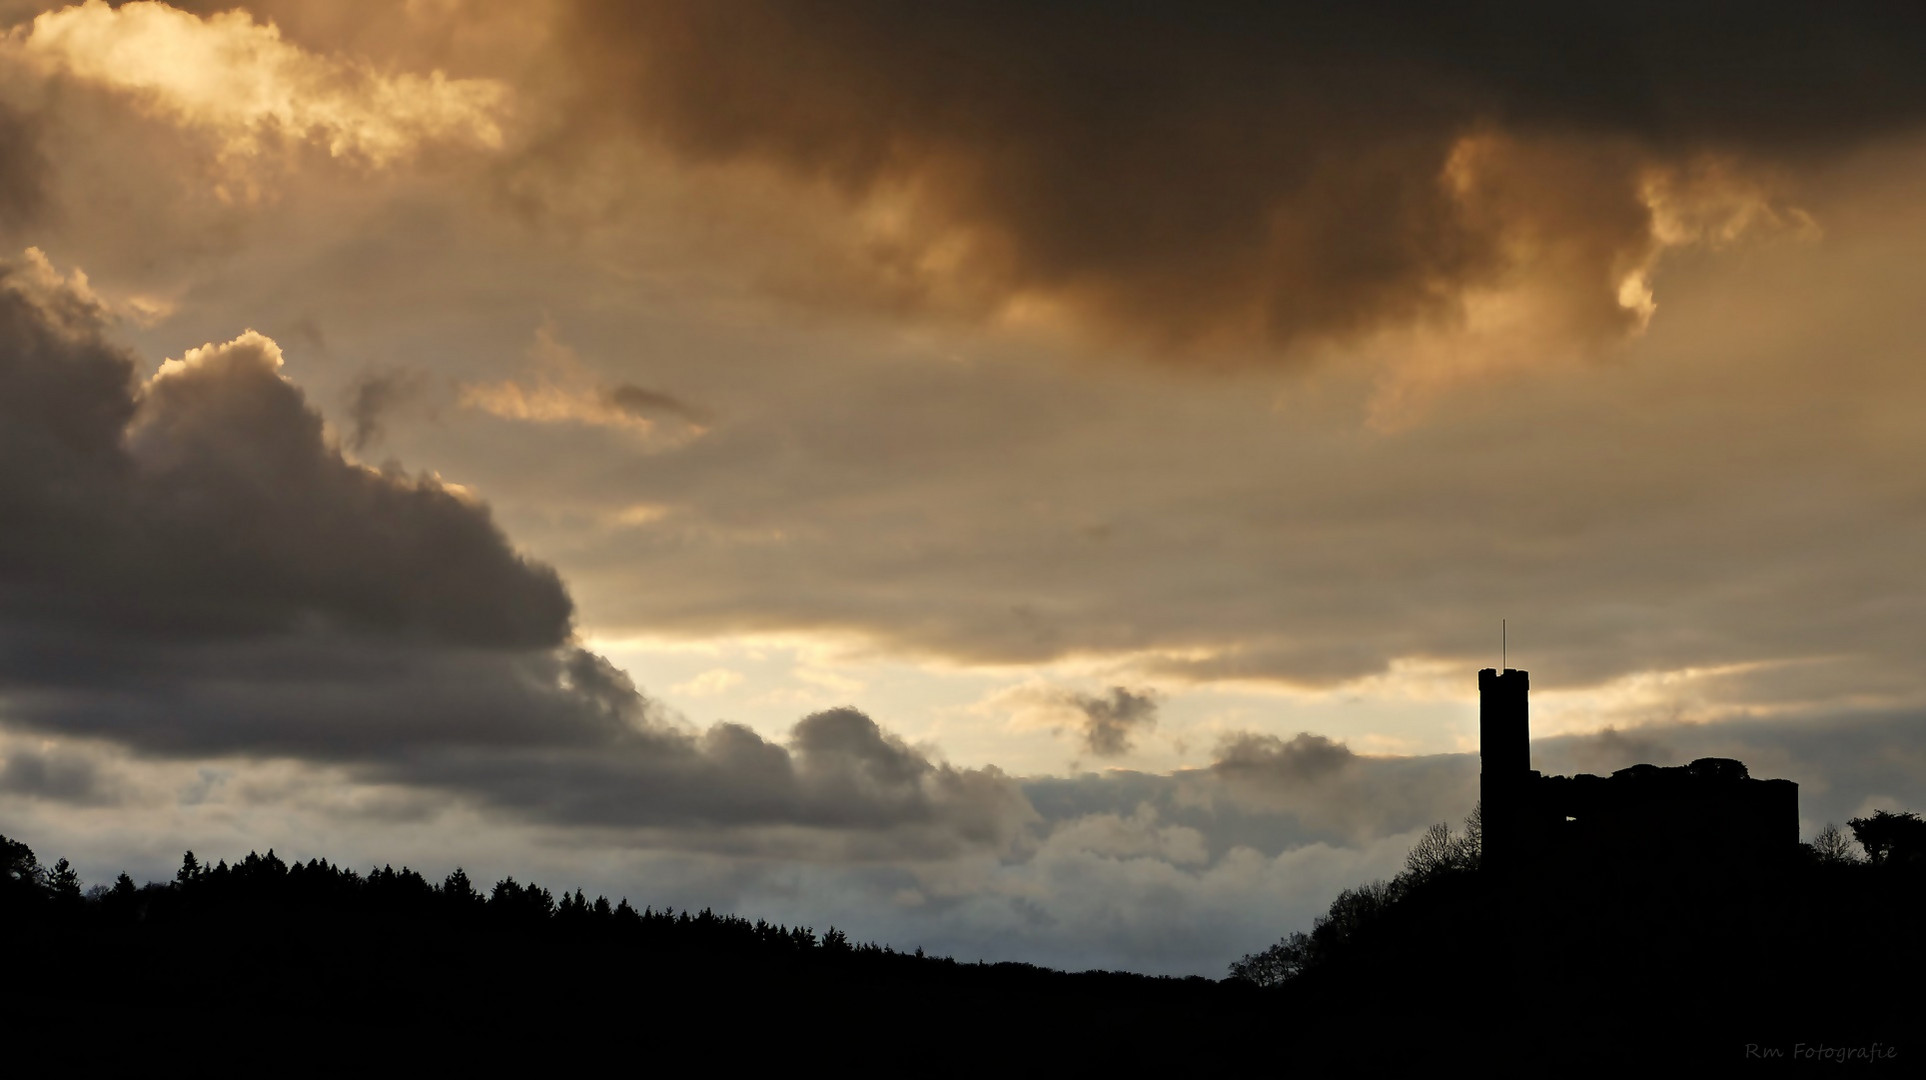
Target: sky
{"type": "Point", "coordinates": [1033, 481]}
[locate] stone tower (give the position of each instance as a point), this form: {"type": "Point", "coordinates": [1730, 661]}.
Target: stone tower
{"type": "Point", "coordinates": [1504, 752]}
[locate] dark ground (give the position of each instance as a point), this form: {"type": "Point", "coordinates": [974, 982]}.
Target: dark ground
{"type": "Point", "coordinates": [1567, 970]}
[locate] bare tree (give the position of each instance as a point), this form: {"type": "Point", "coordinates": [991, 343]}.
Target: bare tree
{"type": "Point", "coordinates": [1431, 856]}
{"type": "Point", "coordinates": [1832, 847]}
{"type": "Point", "coordinates": [1274, 965]}
{"type": "Point", "coordinates": [1440, 851]}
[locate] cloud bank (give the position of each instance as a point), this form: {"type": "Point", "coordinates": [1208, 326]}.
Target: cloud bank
{"type": "Point", "coordinates": [217, 632]}
{"type": "Point", "coordinates": [197, 571]}
{"type": "Point", "coordinates": [1255, 173]}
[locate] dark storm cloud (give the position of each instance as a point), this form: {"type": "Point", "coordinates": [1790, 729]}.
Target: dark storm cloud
{"type": "Point", "coordinates": [1271, 760]}
{"type": "Point", "coordinates": [191, 569]}
{"type": "Point", "coordinates": [210, 503]}
{"type": "Point", "coordinates": [839, 771]}
{"type": "Point", "coordinates": [315, 695]}
{"type": "Point", "coordinates": [60, 777]}
{"type": "Point", "coordinates": [240, 488]}
{"type": "Point", "coordinates": [1280, 171]}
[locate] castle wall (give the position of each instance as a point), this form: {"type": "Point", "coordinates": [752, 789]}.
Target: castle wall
{"type": "Point", "coordinates": [1704, 812]}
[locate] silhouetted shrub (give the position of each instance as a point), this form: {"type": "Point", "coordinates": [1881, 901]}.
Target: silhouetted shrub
{"type": "Point", "coordinates": [1891, 839]}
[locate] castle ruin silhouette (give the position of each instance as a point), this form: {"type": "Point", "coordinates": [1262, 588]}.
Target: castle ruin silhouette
{"type": "Point", "coordinates": [1710, 811]}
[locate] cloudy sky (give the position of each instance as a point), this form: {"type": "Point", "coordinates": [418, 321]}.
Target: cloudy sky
{"type": "Point", "coordinates": [1034, 481]}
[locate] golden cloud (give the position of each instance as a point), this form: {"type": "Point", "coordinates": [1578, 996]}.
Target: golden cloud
{"type": "Point", "coordinates": [247, 85]}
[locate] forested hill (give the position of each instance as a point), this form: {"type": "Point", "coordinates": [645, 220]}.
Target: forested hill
{"type": "Point", "coordinates": [1585, 961]}
{"type": "Point", "coordinates": [1575, 967]}
{"type": "Point", "coordinates": [276, 952]}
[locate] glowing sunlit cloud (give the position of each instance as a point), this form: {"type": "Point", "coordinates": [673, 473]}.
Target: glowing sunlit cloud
{"type": "Point", "coordinates": [263, 348]}
{"type": "Point", "coordinates": [828, 680]}
{"type": "Point", "coordinates": [563, 390]}
{"type": "Point", "coordinates": [638, 514]}
{"type": "Point", "coordinates": [242, 81]}
{"type": "Point", "coordinates": [1688, 695]}
{"type": "Point", "coordinates": [1546, 309]}
{"type": "Point", "coordinates": [547, 403]}
{"type": "Point", "coordinates": [711, 682]}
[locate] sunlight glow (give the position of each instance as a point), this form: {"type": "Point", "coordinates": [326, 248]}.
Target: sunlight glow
{"type": "Point", "coordinates": [244, 81]}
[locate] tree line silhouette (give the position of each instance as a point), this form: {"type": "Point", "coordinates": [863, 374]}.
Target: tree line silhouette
{"type": "Point", "coordinates": [1610, 960]}
{"type": "Point", "coordinates": [264, 886]}
{"type": "Point", "coordinates": [283, 950]}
